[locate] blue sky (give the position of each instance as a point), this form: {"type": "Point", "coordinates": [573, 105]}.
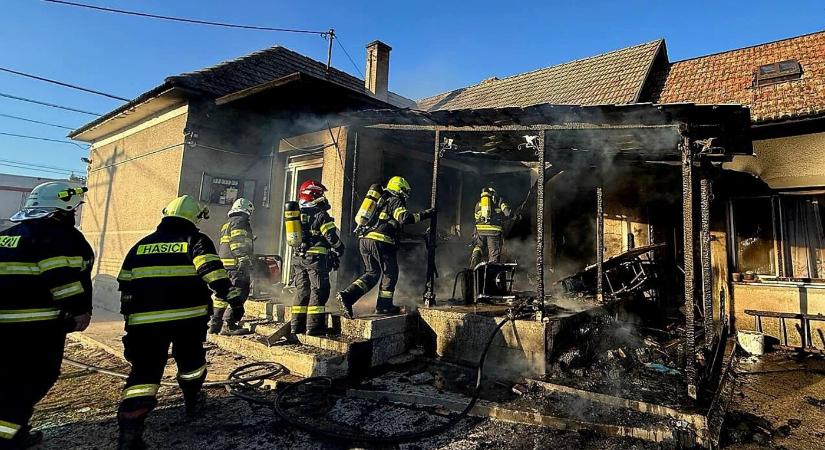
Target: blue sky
{"type": "Point", "coordinates": [437, 45]}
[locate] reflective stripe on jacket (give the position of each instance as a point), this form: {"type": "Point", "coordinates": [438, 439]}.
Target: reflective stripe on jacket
{"type": "Point", "coordinates": [236, 240]}
{"type": "Point", "coordinates": [171, 274]}
{"type": "Point", "coordinates": [45, 269]}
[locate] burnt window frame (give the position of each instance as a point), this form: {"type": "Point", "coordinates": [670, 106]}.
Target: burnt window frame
{"type": "Point", "coordinates": [778, 75]}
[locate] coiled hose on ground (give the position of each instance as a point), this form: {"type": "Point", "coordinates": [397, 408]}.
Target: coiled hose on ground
{"type": "Point", "coordinates": [396, 439]}
{"type": "Point", "coordinates": [261, 372]}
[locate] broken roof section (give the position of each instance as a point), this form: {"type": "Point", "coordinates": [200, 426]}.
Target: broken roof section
{"type": "Point", "coordinates": [635, 132]}
{"type": "Point", "coordinates": [239, 74]}
{"type": "Point", "coordinates": [616, 77]}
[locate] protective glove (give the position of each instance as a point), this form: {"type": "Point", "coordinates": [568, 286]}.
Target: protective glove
{"type": "Point", "coordinates": [244, 263]}
{"type": "Point", "coordinates": [427, 213]}
{"type": "Point", "coordinates": [360, 230]}
{"type": "Point", "coordinates": [82, 321]}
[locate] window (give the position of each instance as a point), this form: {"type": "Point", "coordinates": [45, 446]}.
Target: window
{"type": "Point", "coordinates": [789, 225]}
{"type": "Point", "coordinates": [778, 72]}
{"type": "Point", "coordinates": [753, 235]}
{"type": "Point", "coordinates": [802, 227]}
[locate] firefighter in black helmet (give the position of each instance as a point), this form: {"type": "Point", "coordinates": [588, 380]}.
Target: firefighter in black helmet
{"type": "Point", "coordinates": [316, 256]}
{"type": "Point", "coordinates": [378, 245]}
{"type": "Point", "coordinates": [488, 239]}
{"type": "Point", "coordinates": [45, 275]}
{"type": "Point", "coordinates": [167, 283]}
{"type": "Point", "coordinates": [236, 250]}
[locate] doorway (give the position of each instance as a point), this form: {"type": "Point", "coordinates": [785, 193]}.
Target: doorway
{"type": "Point", "coordinates": [298, 170]}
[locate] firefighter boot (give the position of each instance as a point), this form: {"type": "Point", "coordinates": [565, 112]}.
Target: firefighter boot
{"type": "Point", "coordinates": [25, 438]}
{"type": "Point", "coordinates": [215, 325]}
{"type": "Point", "coordinates": [346, 308]}
{"type": "Point", "coordinates": [130, 436]}
{"type": "Point", "coordinates": [234, 328]}
{"type": "Point", "coordinates": [385, 307]}
{"type": "Point", "coordinates": [195, 404]}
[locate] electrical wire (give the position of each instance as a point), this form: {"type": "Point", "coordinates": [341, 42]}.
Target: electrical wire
{"type": "Point", "coordinates": [135, 157]}
{"type": "Point", "coordinates": [36, 169]}
{"type": "Point", "coordinates": [340, 44]}
{"type": "Point", "coordinates": [38, 138]}
{"type": "Point", "coordinates": [51, 105]}
{"type": "Point", "coordinates": [35, 121]}
{"type": "Point", "coordinates": [39, 166]}
{"type": "Point", "coordinates": [185, 20]}
{"type": "Point", "coordinates": [61, 83]}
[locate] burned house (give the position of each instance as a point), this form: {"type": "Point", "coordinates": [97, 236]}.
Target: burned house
{"type": "Point", "coordinates": [195, 134]}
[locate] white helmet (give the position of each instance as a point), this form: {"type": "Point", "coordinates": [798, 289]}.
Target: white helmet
{"type": "Point", "coordinates": [242, 205]}
{"type": "Point", "coordinates": [47, 198]}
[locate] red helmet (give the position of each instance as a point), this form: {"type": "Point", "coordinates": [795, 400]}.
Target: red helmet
{"type": "Point", "coordinates": [310, 192]}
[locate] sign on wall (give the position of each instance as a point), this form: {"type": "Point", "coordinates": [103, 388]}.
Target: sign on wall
{"type": "Point", "coordinates": [224, 190]}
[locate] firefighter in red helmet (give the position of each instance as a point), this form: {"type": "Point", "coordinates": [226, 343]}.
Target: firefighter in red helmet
{"type": "Point", "coordinates": [314, 258]}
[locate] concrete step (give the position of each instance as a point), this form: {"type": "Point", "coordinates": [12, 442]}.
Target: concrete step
{"type": "Point", "coordinates": [300, 359]}
{"type": "Point", "coordinates": [374, 327]}
{"type": "Point", "coordinates": [254, 309]}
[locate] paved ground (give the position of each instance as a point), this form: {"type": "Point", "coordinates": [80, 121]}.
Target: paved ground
{"type": "Point", "coordinates": [779, 403]}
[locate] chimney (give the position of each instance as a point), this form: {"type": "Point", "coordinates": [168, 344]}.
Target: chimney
{"type": "Point", "coordinates": [377, 75]}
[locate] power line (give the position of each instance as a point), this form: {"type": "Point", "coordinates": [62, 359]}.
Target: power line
{"type": "Point", "coordinates": [36, 169]}
{"type": "Point", "coordinates": [60, 83]}
{"type": "Point", "coordinates": [42, 139]}
{"type": "Point", "coordinates": [348, 56]}
{"type": "Point", "coordinates": [185, 20]}
{"type": "Point", "coordinates": [35, 121]}
{"type": "Point", "coordinates": [39, 166]}
{"type": "Point", "coordinates": [51, 105]}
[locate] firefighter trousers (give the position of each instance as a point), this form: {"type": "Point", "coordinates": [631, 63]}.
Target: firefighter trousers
{"type": "Point", "coordinates": [310, 276]}
{"type": "Point", "coordinates": [241, 283]}
{"type": "Point", "coordinates": [146, 347]}
{"type": "Point", "coordinates": [32, 355]}
{"type": "Point", "coordinates": [380, 264]}
{"type": "Point", "coordinates": [487, 246]}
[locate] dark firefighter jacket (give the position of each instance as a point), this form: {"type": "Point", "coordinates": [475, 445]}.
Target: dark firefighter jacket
{"type": "Point", "coordinates": [236, 240]}
{"type": "Point", "coordinates": [170, 275]}
{"type": "Point", "coordinates": [392, 214]}
{"type": "Point", "coordinates": [319, 231]}
{"type": "Point", "coordinates": [494, 224]}
{"type": "Point", "coordinates": [45, 272]}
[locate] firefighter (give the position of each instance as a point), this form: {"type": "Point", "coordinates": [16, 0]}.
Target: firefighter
{"type": "Point", "coordinates": [236, 251]}
{"type": "Point", "coordinates": [45, 274]}
{"type": "Point", "coordinates": [317, 255]}
{"type": "Point", "coordinates": [488, 240]}
{"type": "Point", "coordinates": [167, 282]}
{"type": "Point", "coordinates": [378, 245]}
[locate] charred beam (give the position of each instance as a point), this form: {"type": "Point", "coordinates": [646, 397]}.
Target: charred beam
{"type": "Point", "coordinates": [432, 232]}
{"type": "Point", "coordinates": [705, 192]}
{"type": "Point", "coordinates": [688, 246]}
{"type": "Point", "coordinates": [540, 224]}
{"type": "Point", "coordinates": [600, 242]}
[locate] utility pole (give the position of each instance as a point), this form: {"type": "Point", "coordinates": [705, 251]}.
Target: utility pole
{"type": "Point", "coordinates": [330, 37]}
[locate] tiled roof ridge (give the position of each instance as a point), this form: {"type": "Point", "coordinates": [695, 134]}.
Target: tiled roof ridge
{"type": "Point", "coordinates": [763, 44]}
{"type": "Point", "coordinates": [540, 69]}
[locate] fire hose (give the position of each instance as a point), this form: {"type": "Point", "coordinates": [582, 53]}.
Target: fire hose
{"type": "Point", "coordinates": [277, 405]}
{"type": "Point", "coordinates": [252, 372]}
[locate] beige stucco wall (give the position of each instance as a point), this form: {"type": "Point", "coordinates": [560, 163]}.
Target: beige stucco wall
{"type": "Point", "coordinates": [128, 188]}
{"type": "Point", "coordinates": [780, 297]}
{"type": "Point", "coordinates": [788, 162]}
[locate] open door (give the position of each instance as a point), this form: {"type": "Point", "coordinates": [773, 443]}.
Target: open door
{"type": "Point", "coordinates": [299, 169]}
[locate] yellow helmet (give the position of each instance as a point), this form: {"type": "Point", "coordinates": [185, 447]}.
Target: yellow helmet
{"type": "Point", "coordinates": [399, 186]}
{"type": "Point", "coordinates": [187, 208]}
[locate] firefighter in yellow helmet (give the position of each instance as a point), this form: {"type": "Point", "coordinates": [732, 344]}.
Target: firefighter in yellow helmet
{"type": "Point", "coordinates": [45, 275]}
{"type": "Point", "coordinates": [378, 245]}
{"type": "Point", "coordinates": [167, 282]}
{"type": "Point", "coordinates": [236, 250]}
{"type": "Point", "coordinates": [488, 239]}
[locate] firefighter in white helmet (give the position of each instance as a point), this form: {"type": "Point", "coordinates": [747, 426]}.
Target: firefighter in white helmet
{"type": "Point", "coordinates": [45, 276]}
{"type": "Point", "coordinates": [236, 250]}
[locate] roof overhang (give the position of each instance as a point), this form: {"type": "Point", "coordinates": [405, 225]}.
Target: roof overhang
{"type": "Point", "coordinates": [641, 132]}
{"type": "Point", "coordinates": [304, 90]}
{"type": "Point", "coordinates": [147, 105]}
